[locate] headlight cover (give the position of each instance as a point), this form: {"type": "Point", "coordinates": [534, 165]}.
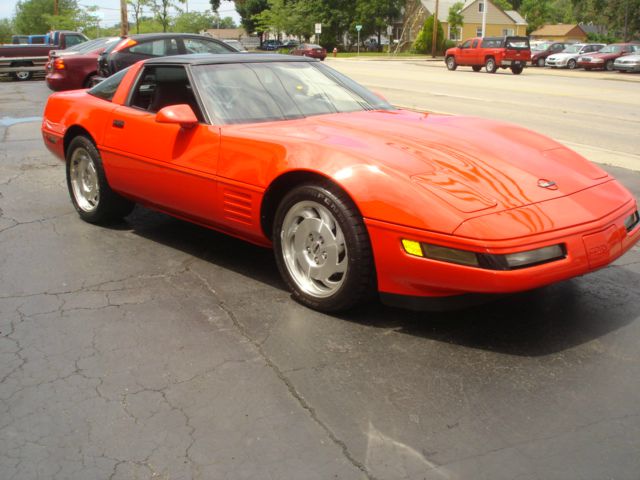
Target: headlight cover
{"type": "Point", "coordinates": [487, 261]}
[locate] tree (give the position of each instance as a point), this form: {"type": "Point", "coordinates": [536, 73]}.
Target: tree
{"type": "Point", "coordinates": [31, 15]}
{"type": "Point", "coordinates": [137, 6]}
{"type": "Point", "coordinates": [424, 40]}
{"type": "Point", "coordinates": [248, 9]}
{"type": "Point", "coordinates": [6, 30]}
{"type": "Point", "coordinates": [193, 22]}
{"type": "Point", "coordinates": [455, 18]}
{"type": "Point", "coordinates": [161, 9]}
{"type": "Point", "coordinates": [226, 22]}
{"type": "Point", "coordinates": [376, 15]}
{"type": "Point", "coordinates": [275, 18]}
{"type": "Point", "coordinates": [536, 12]}
{"type": "Point", "coordinates": [503, 4]}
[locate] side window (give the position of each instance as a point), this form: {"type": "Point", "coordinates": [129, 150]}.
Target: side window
{"type": "Point", "coordinates": [161, 86]}
{"type": "Point", "coordinates": [466, 44]}
{"type": "Point", "coordinates": [475, 44]}
{"type": "Point", "coordinates": [106, 89]}
{"type": "Point", "coordinates": [156, 48]}
{"type": "Point", "coordinates": [72, 40]}
{"type": "Point", "coordinates": [195, 45]}
{"type": "Point", "coordinates": [558, 47]}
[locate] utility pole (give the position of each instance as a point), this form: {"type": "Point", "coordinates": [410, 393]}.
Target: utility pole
{"type": "Point", "coordinates": [124, 22]}
{"type": "Point", "coordinates": [484, 17]}
{"type": "Point", "coordinates": [55, 7]}
{"type": "Point", "coordinates": [434, 37]}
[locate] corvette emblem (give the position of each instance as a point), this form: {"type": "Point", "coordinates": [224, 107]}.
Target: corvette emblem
{"type": "Point", "coordinates": [549, 184]}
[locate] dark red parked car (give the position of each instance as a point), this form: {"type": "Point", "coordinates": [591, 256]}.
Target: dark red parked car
{"type": "Point", "coordinates": [605, 58]}
{"type": "Point", "coordinates": [75, 69]}
{"type": "Point", "coordinates": [310, 50]}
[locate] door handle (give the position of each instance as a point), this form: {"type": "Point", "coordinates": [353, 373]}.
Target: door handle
{"type": "Point", "coordinates": [118, 123]}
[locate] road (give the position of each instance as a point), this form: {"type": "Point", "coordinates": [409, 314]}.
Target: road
{"type": "Point", "coordinates": [155, 349]}
{"type": "Point", "coordinates": [595, 113]}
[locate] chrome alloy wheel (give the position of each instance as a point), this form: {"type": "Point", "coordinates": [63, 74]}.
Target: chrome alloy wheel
{"type": "Point", "coordinates": [314, 249]}
{"type": "Point", "coordinates": [84, 180]}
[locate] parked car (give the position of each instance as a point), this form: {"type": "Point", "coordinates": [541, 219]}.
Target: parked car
{"type": "Point", "coordinates": [134, 48]}
{"type": "Point", "coordinates": [271, 45]}
{"type": "Point", "coordinates": [605, 58]}
{"type": "Point", "coordinates": [540, 53]}
{"type": "Point", "coordinates": [310, 50]}
{"type": "Point", "coordinates": [491, 53]}
{"type": "Point", "coordinates": [236, 44]}
{"type": "Point", "coordinates": [568, 58]}
{"type": "Point", "coordinates": [354, 195]}
{"type": "Point", "coordinates": [27, 55]}
{"type": "Point", "coordinates": [628, 63]}
{"type": "Point", "coordinates": [290, 44]}
{"type": "Point", "coordinates": [69, 70]}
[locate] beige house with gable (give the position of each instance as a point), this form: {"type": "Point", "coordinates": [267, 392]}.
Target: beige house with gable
{"type": "Point", "coordinates": [499, 22]}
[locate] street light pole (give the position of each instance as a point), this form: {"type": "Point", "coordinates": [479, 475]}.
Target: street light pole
{"type": "Point", "coordinates": [484, 17]}
{"type": "Point", "coordinates": [124, 22]}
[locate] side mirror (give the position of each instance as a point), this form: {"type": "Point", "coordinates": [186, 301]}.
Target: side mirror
{"type": "Point", "coordinates": [181, 114]}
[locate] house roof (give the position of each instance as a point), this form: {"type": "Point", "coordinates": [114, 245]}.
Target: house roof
{"type": "Point", "coordinates": [516, 17]}
{"type": "Point", "coordinates": [557, 30]}
{"type": "Point", "coordinates": [443, 7]}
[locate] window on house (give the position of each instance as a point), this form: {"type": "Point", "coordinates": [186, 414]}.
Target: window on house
{"type": "Point", "coordinates": [507, 32]}
{"type": "Point", "coordinates": [455, 33]}
{"type": "Point", "coordinates": [481, 7]}
{"type": "Point", "coordinates": [479, 32]}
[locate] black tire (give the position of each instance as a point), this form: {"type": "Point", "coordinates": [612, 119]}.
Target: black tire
{"type": "Point", "coordinates": [571, 64]}
{"type": "Point", "coordinates": [105, 206]}
{"type": "Point", "coordinates": [516, 70]}
{"type": "Point", "coordinates": [88, 83]}
{"type": "Point", "coordinates": [24, 75]}
{"type": "Point", "coordinates": [477, 68]}
{"type": "Point", "coordinates": [340, 248]}
{"type": "Point", "coordinates": [609, 66]}
{"type": "Point", "coordinates": [540, 62]}
{"type": "Point", "coordinates": [451, 63]}
{"type": "Point", "coordinates": [490, 65]}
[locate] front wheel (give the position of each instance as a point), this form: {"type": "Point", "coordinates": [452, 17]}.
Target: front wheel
{"type": "Point", "coordinates": [90, 193]}
{"type": "Point", "coordinates": [540, 62]}
{"type": "Point", "coordinates": [491, 65]}
{"type": "Point", "coordinates": [609, 66]}
{"type": "Point", "coordinates": [22, 76]}
{"type": "Point", "coordinates": [322, 248]}
{"type": "Point", "coordinates": [571, 64]}
{"type": "Point", "coordinates": [451, 63]}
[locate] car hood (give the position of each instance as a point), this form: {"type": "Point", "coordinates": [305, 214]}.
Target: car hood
{"type": "Point", "coordinates": [633, 58]}
{"type": "Point", "coordinates": [475, 166]}
{"type": "Point", "coordinates": [562, 56]}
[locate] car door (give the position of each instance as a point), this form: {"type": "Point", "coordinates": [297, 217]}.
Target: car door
{"type": "Point", "coordinates": [463, 57]}
{"type": "Point", "coordinates": [164, 164]}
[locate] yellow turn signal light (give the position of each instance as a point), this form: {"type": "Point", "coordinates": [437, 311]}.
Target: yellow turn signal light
{"type": "Point", "coordinates": [412, 247]}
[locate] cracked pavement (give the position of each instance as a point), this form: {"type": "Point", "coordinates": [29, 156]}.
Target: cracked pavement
{"type": "Point", "coordinates": [158, 349]}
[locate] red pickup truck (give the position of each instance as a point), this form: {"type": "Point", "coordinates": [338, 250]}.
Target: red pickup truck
{"type": "Point", "coordinates": [34, 57]}
{"type": "Point", "coordinates": [491, 53]}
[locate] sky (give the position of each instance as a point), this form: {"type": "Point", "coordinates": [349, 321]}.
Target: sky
{"type": "Point", "coordinates": [110, 9]}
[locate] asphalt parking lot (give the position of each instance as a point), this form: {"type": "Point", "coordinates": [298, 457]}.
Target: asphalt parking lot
{"type": "Point", "coordinates": [159, 349]}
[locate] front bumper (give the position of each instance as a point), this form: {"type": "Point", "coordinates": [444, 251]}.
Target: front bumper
{"type": "Point", "coordinates": [626, 67]}
{"type": "Point", "coordinates": [590, 245]}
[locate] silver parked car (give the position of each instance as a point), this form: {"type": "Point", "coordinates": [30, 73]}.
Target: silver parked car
{"type": "Point", "coordinates": [628, 63]}
{"type": "Point", "coordinates": [568, 58]}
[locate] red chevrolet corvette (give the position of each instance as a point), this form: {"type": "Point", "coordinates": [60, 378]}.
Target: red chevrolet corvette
{"type": "Point", "coordinates": [355, 196]}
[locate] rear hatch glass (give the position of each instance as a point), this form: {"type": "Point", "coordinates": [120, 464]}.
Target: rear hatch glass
{"type": "Point", "coordinates": [517, 43]}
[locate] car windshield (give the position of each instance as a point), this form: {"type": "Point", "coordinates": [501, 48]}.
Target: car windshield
{"type": "Point", "coordinates": [261, 92]}
{"type": "Point", "coordinates": [572, 49]}
{"type": "Point", "coordinates": [311, 45]}
{"type": "Point", "coordinates": [540, 47]}
{"type": "Point", "coordinates": [611, 49]}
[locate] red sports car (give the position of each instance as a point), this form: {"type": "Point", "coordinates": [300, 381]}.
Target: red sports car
{"type": "Point", "coordinates": [354, 195]}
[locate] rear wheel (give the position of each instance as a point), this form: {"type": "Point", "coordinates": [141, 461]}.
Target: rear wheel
{"type": "Point", "coordinates": [540, 62]}
{"type": "Point", "coordinates": [516, 70]}
{"type": "Point", "coordinates": [476, 68]}
{"type": "Point", "coordinates": [609, 66]}
{"type": "Point", "coordinates": [88, 83]}
{"type": "Point", "coordinates": [322, 248]}
{"type": "Point", "coordinates": [90, 193]}
{"type": "Point", "coordinates": [451, 63]}
{"type": "Point", "coordinates": [22, 75]}
{"type": "Point", "coordinates": [571, 64]}
{"type": "Point", "coordinates": [491, 65]}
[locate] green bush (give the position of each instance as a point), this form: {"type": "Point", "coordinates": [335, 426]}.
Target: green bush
{"type": "Point", "coordinates": [425, 37]}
